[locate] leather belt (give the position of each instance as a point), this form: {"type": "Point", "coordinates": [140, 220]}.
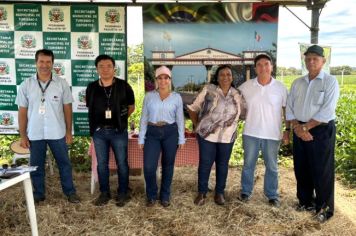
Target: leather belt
{"type": "Point", "coordinates": [159, 123]}
{"type": "Point", "coordinates": [321, 124]}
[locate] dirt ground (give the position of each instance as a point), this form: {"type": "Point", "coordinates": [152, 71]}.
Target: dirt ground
{"type": "Point", "coordinates": [56, 216]}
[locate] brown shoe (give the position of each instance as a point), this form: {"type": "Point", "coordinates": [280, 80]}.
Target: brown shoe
{"type": "Point", "coordinates": [150, 203]}
{"type": "Point", "coordinates": [165, 203]}
{"type": "Point", "coordinates": [200, 199]}
{"type": "Point", "coordinates": [219, 199]}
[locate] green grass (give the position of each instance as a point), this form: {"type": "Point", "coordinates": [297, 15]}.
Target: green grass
{"type": "Point", "coordinates": [349, 81]}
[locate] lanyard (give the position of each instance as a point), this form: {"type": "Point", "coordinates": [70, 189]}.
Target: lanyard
{"type": "Point", "coordinates": [107, 95]}
{"type": "Point", "coordinates": [43, 90]}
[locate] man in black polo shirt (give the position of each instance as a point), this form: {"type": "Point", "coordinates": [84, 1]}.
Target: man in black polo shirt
{"type": "Point", "coordinates": [110, 102]}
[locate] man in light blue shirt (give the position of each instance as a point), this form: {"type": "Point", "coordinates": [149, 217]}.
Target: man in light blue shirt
{"type": "Point", "coordinates": [45, 118]}
{"type": "Point", "coordinates": [311, 111]}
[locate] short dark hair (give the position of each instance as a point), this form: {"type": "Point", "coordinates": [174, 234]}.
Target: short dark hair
{"type": "Point", "coordinates": [216, 75]}
{"type": "Point", "coordinates": [45, 52]}
{"type": "Point", "coordinates": [104, 57]}
{"type": "Point", "coordinates": [259, 57]}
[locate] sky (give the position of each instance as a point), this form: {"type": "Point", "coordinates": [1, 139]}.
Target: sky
{"type": "Point", "coordinates": [337, 29]}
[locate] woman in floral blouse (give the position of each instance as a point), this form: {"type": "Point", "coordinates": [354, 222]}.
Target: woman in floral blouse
{"type": "Point", "coordinates": [215, 113]}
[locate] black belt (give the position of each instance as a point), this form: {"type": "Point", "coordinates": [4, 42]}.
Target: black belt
{"type": "Point", "coordinates": [106, 127]}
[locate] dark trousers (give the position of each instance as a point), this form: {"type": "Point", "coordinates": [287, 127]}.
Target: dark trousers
{"type": "Point", "coordinates": [209, 153]}
{"type": "Point", "coordinates": [160, 139]}
{"type": "Point", "coordinates": [118, 141]}
{"type": "Point", "coordinates": [314, 170]}
{"type": "Point", "coordinates": [59, 150]}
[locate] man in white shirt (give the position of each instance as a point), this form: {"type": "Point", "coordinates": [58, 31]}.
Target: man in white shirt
{"type": "Point", "coordinates": [265, 102]}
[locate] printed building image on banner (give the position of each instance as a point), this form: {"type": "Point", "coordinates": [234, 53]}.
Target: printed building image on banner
{"type": "Point", "coordinates": [193, 39]}
{"type": "Point", "coordinates": [76, 34]}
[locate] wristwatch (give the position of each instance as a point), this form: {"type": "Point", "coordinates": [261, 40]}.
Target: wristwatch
{"type": "Point", "coordinates": [304, 128]}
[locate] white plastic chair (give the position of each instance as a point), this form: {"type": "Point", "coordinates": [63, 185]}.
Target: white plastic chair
{"type": "Point", "coordinates": [24, 153]}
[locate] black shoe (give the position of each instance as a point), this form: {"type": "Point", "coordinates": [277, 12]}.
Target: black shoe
{"type": "Point", "coordinates": [274, 202]}
{"type": "Point", "coordinates": [102, 200]}
{"type": "Point", "coordinates": [73, 198]}
{"type": "Point", "coordinates": [309, 207]}
{"type": "Point", "coordinates": [37, 200]}
{"type": "Point", "coordinates": [165, 203]}
{"type": "Point", "coordinates": [244, 197]}
{"type": "Point", "coordinates": [122, 199]}
{"type": "Point", "coordinates": [321, 217]}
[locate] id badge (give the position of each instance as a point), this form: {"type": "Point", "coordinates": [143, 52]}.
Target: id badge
{"type": "Point", "coordinates": [42, 109]}
{"type": "Point", "coordinates": [108, 114]}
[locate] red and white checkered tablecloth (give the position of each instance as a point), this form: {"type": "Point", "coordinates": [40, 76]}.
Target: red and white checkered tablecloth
{"type": "Point", "coordinates": [188, 156]}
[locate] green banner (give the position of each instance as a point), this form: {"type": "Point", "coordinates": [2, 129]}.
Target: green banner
{"type": "Point", "coordinates": [59, 43]}
{"type": "Point", "coordinates": [84, 18]}
{"type": "Point", "coordinates": [7, 97]}
{"type": "Point", "coordinates": [76, 34]}
{"type": "Point", "coordinates": [28, 17]}
{"type": "Point", "coordinates": [81, 123]}
{"type": "Point", "coordinates": [7, 45]}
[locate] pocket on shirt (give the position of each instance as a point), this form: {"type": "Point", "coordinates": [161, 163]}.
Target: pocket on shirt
{"type": "Point", "coordinates": [55, 99]}
{"type": "Point", "coordinates": [319, 98]}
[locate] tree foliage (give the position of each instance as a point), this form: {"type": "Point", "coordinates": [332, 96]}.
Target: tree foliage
{"type": "Point", "coordinates": [337, 70]}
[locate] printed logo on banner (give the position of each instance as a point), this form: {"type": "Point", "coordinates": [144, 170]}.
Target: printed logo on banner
{"type": "Point", "coordinates": [111, 19]}
{"type": "Point", "coordinates": [58, 69]}
{"type": "Point", "coordinates": [84, 46]}
{"type": "Point", "coordinates": [79, 104]}
{"type": "Point", "coordinates": [28, 41]}
{"type": "Point", "coordinates": [112, 16]}
{"type": "Point", "coordinates": [3, 14]}
{"type": "Point", "coordinates": [6, 18]}
{"type": "Point", "coordinates": [81, 96]}
{"type": "Point", "coordinates": [6, 119]}
{"type": "Point", "coordinates": [117, 71]}
{"type": "Point", "coordinates": [56, 15]}
{"type": "Point", "coordinates": [84, 42]}
{"type": "Point", "coordinates": [120, 69]}
{"type": "Point", "coordinates": [7, 69]}
{"type": "Point", "coordinates": [4, 68]}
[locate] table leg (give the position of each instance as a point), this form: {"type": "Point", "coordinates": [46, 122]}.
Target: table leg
{"type": "Point", "coordinates": [30, 206]}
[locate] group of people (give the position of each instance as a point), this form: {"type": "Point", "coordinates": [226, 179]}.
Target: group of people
{"type": "Point", "coordinates": [264, 103]}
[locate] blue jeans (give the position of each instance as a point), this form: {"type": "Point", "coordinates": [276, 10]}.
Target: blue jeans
{"type": "Point", "coordinates": [269, 149]}
{"type": "Point", "coordinates": [59, 149]}
{"type": "Point", "coordinates": [160, 139]}
{"type": "Point", "coordinates": [209, 153]}
{"type": "Point", "coordinates": [103, 139]}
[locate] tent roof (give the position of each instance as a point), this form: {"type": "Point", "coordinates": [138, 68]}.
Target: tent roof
{"type": "Point", "coordinates": [140, 2]}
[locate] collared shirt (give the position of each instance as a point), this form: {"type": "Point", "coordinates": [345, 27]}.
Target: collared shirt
{"type": "Point", "coordinates": [218, 114]}
{"type": "Point", "coordinates": [315, 99]}
{"type": "Point", "coordinates": [154, 110]}
{"type": "Point", "coordinates": [51, 124]}
{"type": "Point", "coordinates": [264, 108]}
